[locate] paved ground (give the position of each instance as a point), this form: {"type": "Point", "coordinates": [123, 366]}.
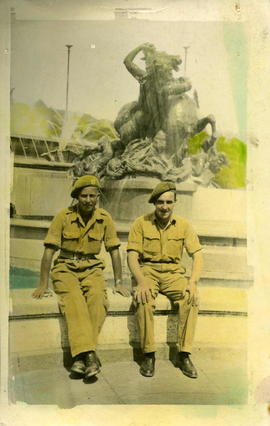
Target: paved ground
{"type": "Point", "coordinates": [222, 380]}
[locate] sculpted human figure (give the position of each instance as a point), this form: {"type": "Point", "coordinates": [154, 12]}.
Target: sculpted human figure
{"type": "Point", "coordinates": [163, 103]}
{"type": "Point", "coordinates": [154, 131]}
{"type": "Point", "coordinates": [155, 246]}
{"type": "Point", "coordinates": [147, 116]}
{"type": "Point", "coordinates": [77, 274]}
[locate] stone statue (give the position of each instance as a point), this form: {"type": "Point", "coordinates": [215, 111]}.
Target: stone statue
{"type": "Point", "coordinates": [96, 155]}
{"type": "Point", "coordinates": [163, 103]}
{"type": "Point", "coordinates": [155, 130]}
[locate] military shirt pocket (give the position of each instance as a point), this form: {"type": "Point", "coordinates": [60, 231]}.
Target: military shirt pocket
{"type": "Point", "coordinates": [151, 244]}
{"type": "Point", "coordinates": [95, 238]}
{"type": "Point", "coordinates": [71, 235]}
{"type": "Point", "coordinates": [175, 246]}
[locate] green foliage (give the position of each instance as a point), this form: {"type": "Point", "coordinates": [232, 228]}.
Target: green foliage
{"type": "Point", "coordinates": [234, 174]}
{"type": "Point", "coordinates": [30, 121]}
{"type": "Point", "coordinates": [101, 128]}
{"type": "Point", "coordinates": [196, 141]}
{"type": "Point", "coordinates": [42, 121]}
{"type": "Point", "coordinates": [45, 122]}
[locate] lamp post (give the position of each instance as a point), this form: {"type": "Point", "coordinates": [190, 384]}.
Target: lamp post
{"type": "Point", "coordinates": [64, 132]}
{"type": "Point", "coordinates": [69, 46]}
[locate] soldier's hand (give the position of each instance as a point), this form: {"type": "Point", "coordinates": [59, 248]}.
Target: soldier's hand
{"type": "Point", "coordinates": [41, 292]}
{"type": "Point", "coordinates": [142, 293]}
{"type": "Point", "coordinates": [119, 288]}
{"type": "Point", "coordinates": [193, 292]}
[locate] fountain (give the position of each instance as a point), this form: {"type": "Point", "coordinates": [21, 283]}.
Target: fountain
{"type": "Point", "coordinates": [156, 140]}
{"type": "Point", "coordinates": [157, 137]}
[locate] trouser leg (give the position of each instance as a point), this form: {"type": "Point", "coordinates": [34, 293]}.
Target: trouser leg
{"type": "Point", "coordinates": [94, 289]}
{"type": "Point", "coordinates": [73, 305]}
{"type": "Point", "coordinates": [187, 319]}
{"type": "Point", "coordinates": [175, 286]}
{"type": "Point", "coordinates": [145, 313]}
{"type": "Point", "coordinates": [145, 320]}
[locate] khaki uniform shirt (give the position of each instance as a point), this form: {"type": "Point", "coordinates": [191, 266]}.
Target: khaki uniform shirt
{"type": "Point", "coordinates": [156, 245]}
{"type": "Point", "coordinates": [69, 232]}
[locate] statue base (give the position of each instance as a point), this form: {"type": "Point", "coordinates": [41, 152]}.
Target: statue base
{"type": "Point", "coordinates": [127, 199]}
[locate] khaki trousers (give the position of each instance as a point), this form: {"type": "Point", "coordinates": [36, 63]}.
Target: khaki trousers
{"type": "Point", "coordinates": [175, 286]}
{"type": "Point", "coordinates": [83, 300]}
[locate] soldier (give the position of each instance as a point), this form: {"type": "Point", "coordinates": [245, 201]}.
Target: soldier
{"type": "Point", "coordinates": [155, 247]}
{"type": "Point", "coordinates": [77, 274]}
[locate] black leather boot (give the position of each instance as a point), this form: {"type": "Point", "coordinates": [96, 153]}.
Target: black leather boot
{"type": "Point", "coordinates": [78, 366]}
{"type": "Point", "coordinates": [92, 364]}
{"type": "Point", "coordinates": [186, 365]}
{"type": "Point", "coordinates": [148, 365]}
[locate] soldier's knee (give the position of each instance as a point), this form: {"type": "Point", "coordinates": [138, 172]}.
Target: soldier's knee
{"type": "Point", "coordinates": [147, 306]}
{"type": "Point", "coordinates": [96, 295]}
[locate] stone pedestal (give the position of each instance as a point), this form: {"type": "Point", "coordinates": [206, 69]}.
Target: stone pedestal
{"type": "Point", "coordinates": [42, 192]}
{"type": "Point", "coordinates": [127, 199]}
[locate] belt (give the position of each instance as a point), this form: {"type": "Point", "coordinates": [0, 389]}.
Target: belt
{"type": "Point", "coordinates": [160, 261]}
{"type": "Point", "coordinates": [65, 254]}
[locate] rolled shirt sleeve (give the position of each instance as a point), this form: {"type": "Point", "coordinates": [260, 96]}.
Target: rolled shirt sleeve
{"type": "Point", "coordinates": [135, 238]}
{"type": "Point", "coordinates": [54, 234]}
{"type": "Point", "coordinates": [110, 236]}
{"type": "Point", "coordinates": [191, 241]}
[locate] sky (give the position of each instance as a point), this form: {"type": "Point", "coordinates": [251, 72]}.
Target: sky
{"type": "Point", "coordinates": [99, 83]}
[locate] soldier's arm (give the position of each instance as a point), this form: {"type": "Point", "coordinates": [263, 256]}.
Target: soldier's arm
{"type": "Point", "coordinates": [142, 292]}
{"type": "Point", "coordinates": [117, 272]}
{"type": "Point", "coordinates": [197, 262]}
{"type": "Point", "coordinates": [45, 268]}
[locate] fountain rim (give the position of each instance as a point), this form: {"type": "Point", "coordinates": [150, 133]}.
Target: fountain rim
{"type": "Point", "coordinates": [142, 184]}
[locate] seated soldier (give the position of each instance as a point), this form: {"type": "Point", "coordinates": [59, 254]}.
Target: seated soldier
{"type": "Point", "coordinates": [77, 274]}
{"type": "Point", "coordinates": [155, 247]}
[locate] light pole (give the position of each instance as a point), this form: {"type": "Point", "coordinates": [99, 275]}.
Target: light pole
{"type": "Point", "coordinates": [69, 46]}
{"type": "Point", "coordinates": [185, 64]}
{"type": "Point", "coordinates": [64, 131]}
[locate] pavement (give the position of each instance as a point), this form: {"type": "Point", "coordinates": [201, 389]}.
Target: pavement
{"type": "Point", "coordinates": [43, 379]}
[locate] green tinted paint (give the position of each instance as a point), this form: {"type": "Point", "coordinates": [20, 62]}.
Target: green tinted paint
{"type": "Point", "coordinates": [234, 174]}
{"type": "Point", "coordinates": [23, 278]}
{"type": "Point", "coordinates": [237, 61]}
{"type": "Point", "coordinates": [42, 121]}
{"type": "Point", "coordinates": [196, 141]}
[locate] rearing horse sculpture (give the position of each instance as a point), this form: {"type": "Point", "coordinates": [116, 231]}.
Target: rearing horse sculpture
{"type": "Point", "coordinates": [163, 104]}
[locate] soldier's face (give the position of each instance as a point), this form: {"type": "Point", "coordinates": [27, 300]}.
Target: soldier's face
{"type": "Point", "coordinates": [164, 206]}
{"type": "Point", "coordinates": [87, 199]}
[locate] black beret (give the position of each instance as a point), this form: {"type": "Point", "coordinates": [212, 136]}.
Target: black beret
{"type": "Point", "coordinates": [160, 189]}
{"type": "Point", "coordinates": [82, 182]}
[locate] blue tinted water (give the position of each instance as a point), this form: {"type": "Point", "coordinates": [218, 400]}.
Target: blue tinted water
{"type": "Point", "coordinates": [23, 278]}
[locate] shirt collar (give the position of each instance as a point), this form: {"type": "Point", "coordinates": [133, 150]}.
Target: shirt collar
{"type": "Point", "coordinates": [75, 215]}
{"type": "Point", "coordinates": [172, 220]}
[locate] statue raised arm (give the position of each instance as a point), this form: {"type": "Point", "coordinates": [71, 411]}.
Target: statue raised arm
{"type": "Point", "coordinates": [137, 72]}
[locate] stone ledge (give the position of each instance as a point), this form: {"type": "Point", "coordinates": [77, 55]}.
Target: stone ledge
{"type": "Point", "coordinates": [211, 300]}
{"type": "Point", "coordinates": [37, 163]}
{"type": "Point", "coordinates": [50, 334]}
{"type": "Point", "coordinates": [145, 183]}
